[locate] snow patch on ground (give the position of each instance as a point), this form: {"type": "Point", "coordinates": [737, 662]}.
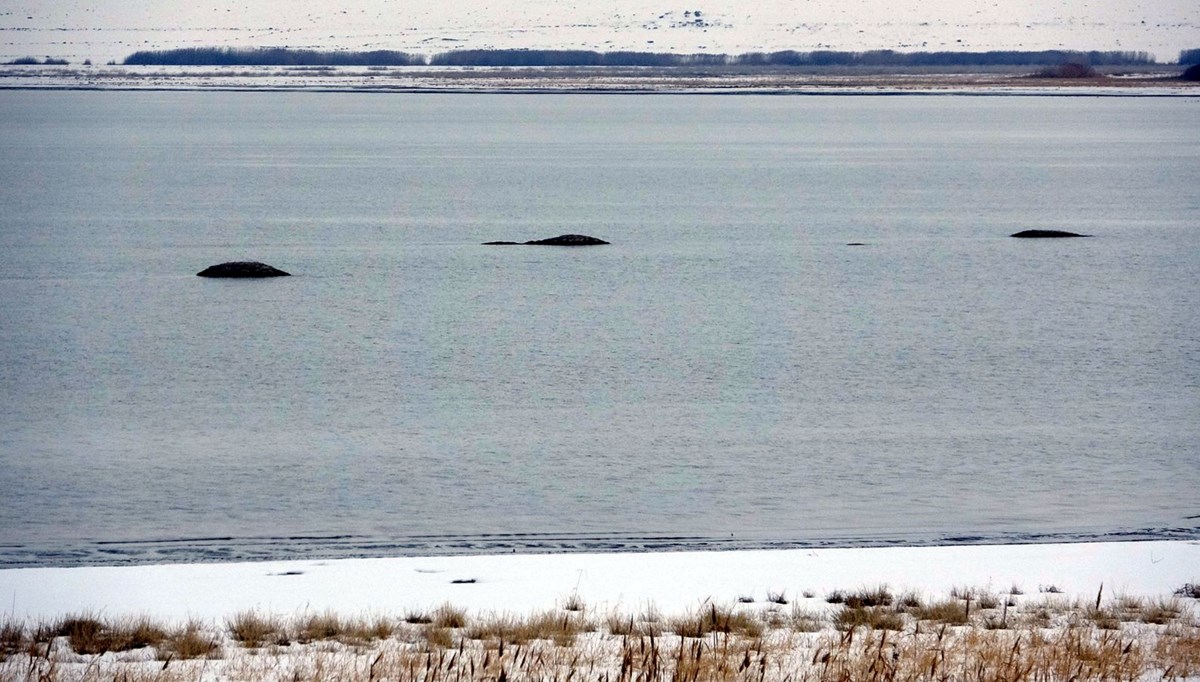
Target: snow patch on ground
{"type": "Point", "coordinates": [103, 31]}
{"type": "Point", "coordinates": [674, 582]}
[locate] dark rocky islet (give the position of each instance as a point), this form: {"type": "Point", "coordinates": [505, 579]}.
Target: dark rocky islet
{"type": "Point", "coordinates": [560, 240]}
{"type": "Point", "coordinates": [1045, 234]}
{"type": "Point", "coordinates": [242, 269]}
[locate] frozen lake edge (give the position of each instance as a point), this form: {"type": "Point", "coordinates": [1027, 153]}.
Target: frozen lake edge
{"type": "Point", "coordinates": [585, 80]}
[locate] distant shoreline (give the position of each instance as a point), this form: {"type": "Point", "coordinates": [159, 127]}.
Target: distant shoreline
{"type": "Point", "coordinates": [226, 549]}
{"type": "Point", "coordinates": [1159, 81]}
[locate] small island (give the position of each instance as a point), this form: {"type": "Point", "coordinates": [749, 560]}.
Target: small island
{"type": "Point", "coordinates": [1045, 234]}
{"type": "Point", "coordinates": [560, 240]}
{"type": "Point", "coordinates": [242, 269]}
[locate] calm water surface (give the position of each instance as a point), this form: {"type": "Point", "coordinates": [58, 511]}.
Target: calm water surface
{"type": "Point", "coordinates": [727, 373]}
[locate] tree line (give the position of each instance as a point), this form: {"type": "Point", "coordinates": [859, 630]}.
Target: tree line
{"type": "Point", "coordinates": [281, 56]}
{"type": "Point", "coordinates": [270, 56]}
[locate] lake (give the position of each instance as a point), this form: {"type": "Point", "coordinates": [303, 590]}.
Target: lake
{"type": "Point", "coordinates": [727, 373]}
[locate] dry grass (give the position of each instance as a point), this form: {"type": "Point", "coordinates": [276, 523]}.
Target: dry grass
{"type": "Point", "coordinates": [449, 616]}
{"type": "Point", "coordinates": [253, 629]}
{"type": "Point", "coordinates": [12, 638]}
{"type": "Point", "coordinates": [560, 628]}
{"type": "Point", "coordinates": [191, 640]}
{"type": "Point", "coordinates": [438, 637]}
{"type": "Point", "coordinates": [983, 655]}
{"type": "Point", "coordinates": [712, 618]}
{"type": "Point", "coordinates": [905, 639]}
{"type": "Point", "coordinates": [87, 634]}
{"type": "Point", "coordinates": [574, 603]}
{"type": "Point", "coordinates": [949, 611]}
{"type": "Point", "coordinates": [624, 625]}
{"type": "Point", "coordinates": [805, 620]}
{"type": "Point", "coordinates": [872, 617]}
{"type": "Point", "coordinates": [1160, 611]}
{"type": "Point", "coordinates": [418, 618]}
{"type": "Point", "coordinates": [867, 597]}
{"type": "Point", "coordinates": [1176, 652]}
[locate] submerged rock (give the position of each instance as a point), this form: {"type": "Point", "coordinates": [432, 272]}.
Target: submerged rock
{"type": "Point", "coordinates": [247, 268]}
{"type": "Point", "coordinates": [568, 240]}
{"type": "Point", "coordinates": [1044, 234]}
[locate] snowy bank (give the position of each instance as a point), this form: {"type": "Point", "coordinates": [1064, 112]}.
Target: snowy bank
{"type": "Point", "coordinates": [1010, 81]}
{"type": "Point", "coordinates": [671, 581]}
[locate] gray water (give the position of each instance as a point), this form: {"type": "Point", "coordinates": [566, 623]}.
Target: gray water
{"type": "Point", "coordinates": [727, 373]}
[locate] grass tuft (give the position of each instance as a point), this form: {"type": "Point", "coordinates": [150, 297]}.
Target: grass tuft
{"type": "Point", "coordinates": [438, 637]}
{"type": "Point", "coordinates": [1160, 611]}
{"type": "Point", "coordinates": [87, 634]}
{"type": "Point", "coordinates": [253, 629]}
{"type": "Point", "coordinates": [189, 641]}
{"type": "Point", "coordinates": [548, 626]}
{"type": "Point", "coordinates": [12, 638]}
{"type": "Point", "coordinates": [622, 625]}
{"type": "Point", "coordinates": [418, 618]}
{"type": "Point", "coordinates": [804, 620]}
{"type": "Point", "coordinates": [574, 603]}
{"type": "Point", "coordinates": [316, 627]}
{"type": "Point", "coordinates": [873, 617]}
{"type": "Point", "coordinates": [950, 611]}
{"type": "Point", "coordinates": [449, 616]}
{"type": "Point", "coordinates": [870, 597]}
{"type": "Point", "coordinates": [908, 600]}
{"type": "Point", "coordinates": [713, 618]}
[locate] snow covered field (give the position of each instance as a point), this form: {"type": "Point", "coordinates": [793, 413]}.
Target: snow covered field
{"type": "Point", "coordinates": [671, 581]}
{"type": "Point", "coordinates": [1159, 83]}
{"type": "Point", "coordinates": [1100, 611]}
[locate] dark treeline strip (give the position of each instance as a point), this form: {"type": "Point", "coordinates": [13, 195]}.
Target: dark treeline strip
{"type": "Point", "coordinates": [33, 61]}
{"type": "Point", "coordinates": [1191, 56]}
{"type": "Point", "coordinates": [991, 58]}
{"type": "Point", "coordinates": [270, 56]}
{"type": "Point", "coordinates": [221, 56]}
{"type": "Point", "coordinates": [574, 58]}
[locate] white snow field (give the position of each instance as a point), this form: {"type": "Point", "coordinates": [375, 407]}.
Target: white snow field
{"type": "Point", "coordinates": [102, 31]}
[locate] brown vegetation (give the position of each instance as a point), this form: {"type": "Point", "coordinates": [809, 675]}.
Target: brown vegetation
{"type": "Point", "coordinates": [1069, 70]}
{"type": "Point", "coordinates": [872, 635]}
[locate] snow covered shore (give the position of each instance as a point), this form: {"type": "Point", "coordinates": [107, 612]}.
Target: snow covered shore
{"type": "Point", "coordinates": [1006, 613]}
{"type": "Point", "coordinates": [671, 581]}
{"type": "Point", "coordinates": [1162, 82]}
